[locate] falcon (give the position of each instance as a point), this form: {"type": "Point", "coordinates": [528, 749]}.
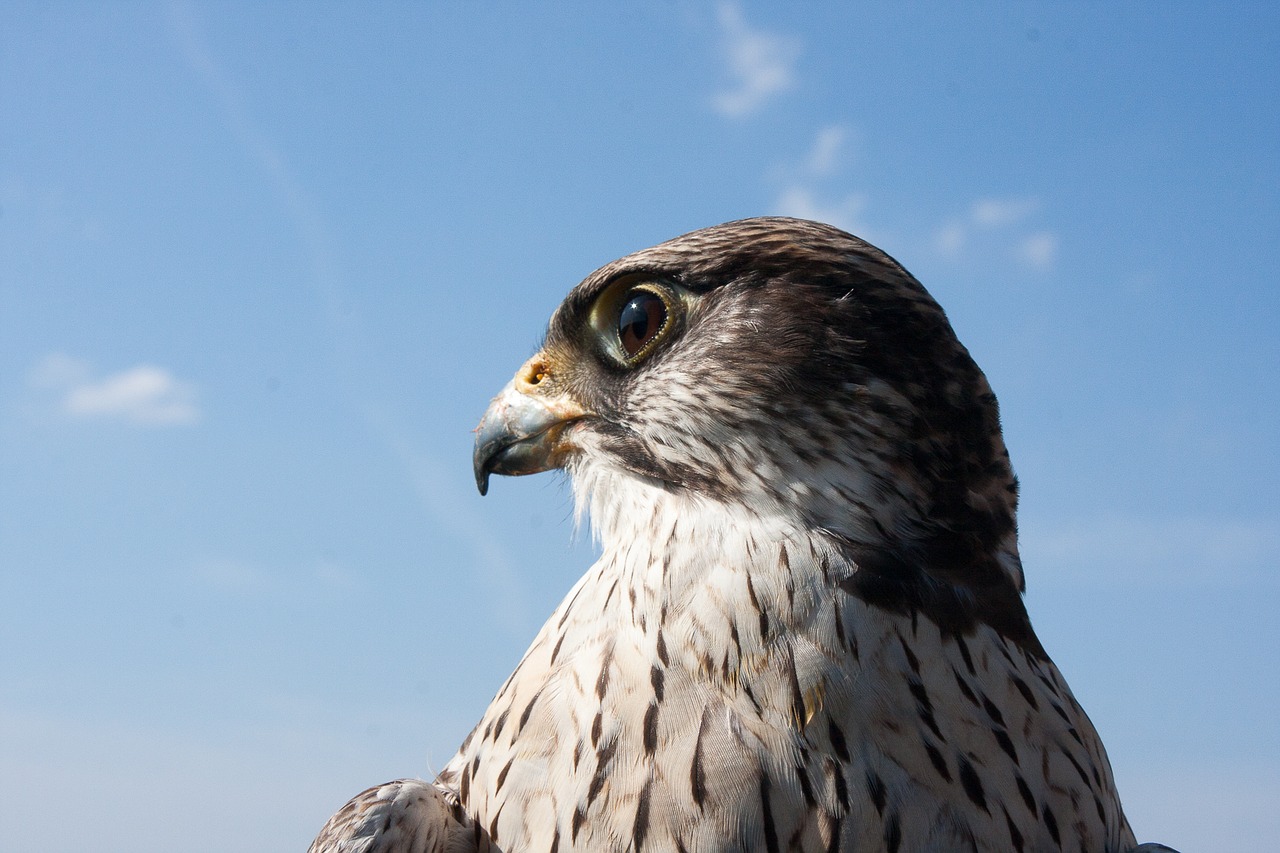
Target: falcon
{"type": "Point", "coordinates": [805, 630]}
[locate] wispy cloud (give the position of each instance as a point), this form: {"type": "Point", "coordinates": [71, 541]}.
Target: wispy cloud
{"type": "Point", "coordinates": [234, 108]}
{"type": "Point", "coordinates": [1001, 212]}
{"type": "Point", "coordinates": [842, 212]}
{"type": "Point", "coordinates": [1002, 220]}
{"type": "Point", "coordinates": [807, 193]}
{"type": "Point", "coordinates": [761, 64]}
{"type": "Point", "coordinates": [829, 150]}
{"type": "Point", "coordinates": [145, 395]}
{"type": "Point", "coordinates": [1039, 249]}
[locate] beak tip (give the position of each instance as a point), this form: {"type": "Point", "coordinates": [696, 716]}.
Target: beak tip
{"type": "Point", "coordinates": [517, 435]}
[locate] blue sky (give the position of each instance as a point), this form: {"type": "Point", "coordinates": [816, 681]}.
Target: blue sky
{"type": "Point", "coordinates": [262, 267]}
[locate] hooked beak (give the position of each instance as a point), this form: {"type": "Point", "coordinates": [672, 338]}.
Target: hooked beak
{"type": "Point", "coordinates": [522, 431]}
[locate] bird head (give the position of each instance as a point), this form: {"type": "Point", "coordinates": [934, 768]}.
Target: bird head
{"type": "Point", "coordinates": [779, 365]}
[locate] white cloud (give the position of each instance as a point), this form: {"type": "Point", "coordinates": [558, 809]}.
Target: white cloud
{"type": "Point", "coordinates": [843, 213]}
{"type": "Point", "coordinates": [761, 64]}
{"type": "Point", "coordinates": [802, 196]}
{"type": "Point", "coordinates": [145, 395]}
{"type": "Point", "coordinates": [952, 238]}
{"type": "Point", "coordinates": [1040, 249]}
{"type": "Point", "coordinates": [994, 222]}
{"type": "Point", "coordinates": [60, 370]}
{"type": "Point", "coordinates": [1001, 212]}
{"type": "Point", "coordinates": [827, 149]}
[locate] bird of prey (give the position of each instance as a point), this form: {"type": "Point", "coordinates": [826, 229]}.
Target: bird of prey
{"type": "Point", "coordinates": [805, 631]}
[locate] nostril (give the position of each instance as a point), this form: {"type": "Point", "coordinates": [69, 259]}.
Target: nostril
{"type": "Point", "coordinates": [535, 372]}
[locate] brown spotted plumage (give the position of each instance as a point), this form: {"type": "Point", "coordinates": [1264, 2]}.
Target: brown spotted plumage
{"type": "Point", "coordinates": [805, 631]}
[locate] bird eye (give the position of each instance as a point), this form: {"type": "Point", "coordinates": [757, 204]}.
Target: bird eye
{"type": "Point", "coordinates": [643, 316]}
{"type": "Point", "coordinates": [633, 316]}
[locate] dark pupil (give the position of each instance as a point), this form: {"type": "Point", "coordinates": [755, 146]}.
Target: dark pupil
{"type": "Point", "coordinates": [641, 319]}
